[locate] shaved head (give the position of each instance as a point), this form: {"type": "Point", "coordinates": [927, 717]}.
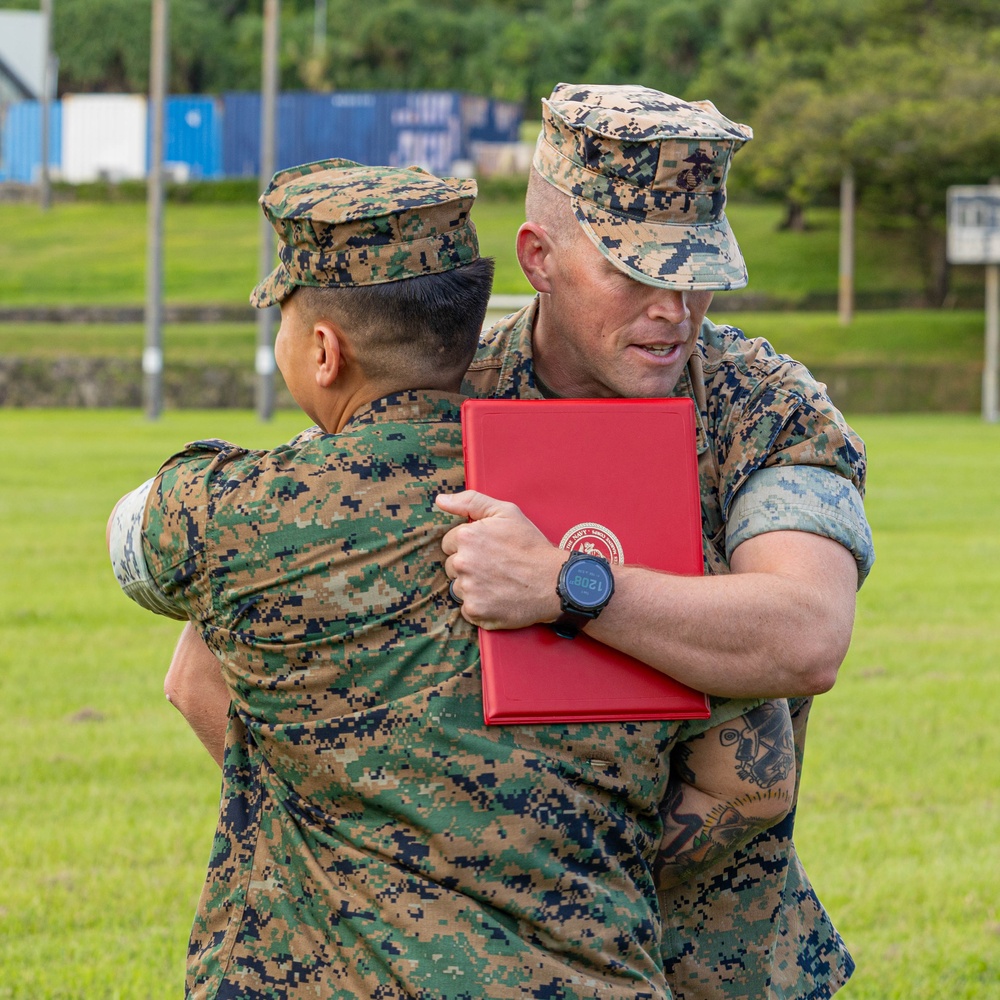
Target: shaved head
{"type": "Point", "coordinates": [550, 208]}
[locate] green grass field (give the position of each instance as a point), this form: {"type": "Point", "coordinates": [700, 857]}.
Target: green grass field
{"type": "Point", "coordinates": [93, 254]}
{"type": "Point", "coordinates": [87, 252]}
{"type": "Point", "coordinates": [107, 803]}
{"type": "Point", "coordinates": [83, 253]}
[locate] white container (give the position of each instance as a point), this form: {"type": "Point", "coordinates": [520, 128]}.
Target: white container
{"type": "Point", "coordinates": [103, 137]}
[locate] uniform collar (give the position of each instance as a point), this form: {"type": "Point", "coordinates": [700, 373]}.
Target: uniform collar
{"type": "Point", "coordinates": [411, 404]}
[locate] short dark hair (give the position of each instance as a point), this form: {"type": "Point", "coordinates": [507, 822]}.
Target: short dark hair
{"type": "Point", "coordinates": [429, 323]}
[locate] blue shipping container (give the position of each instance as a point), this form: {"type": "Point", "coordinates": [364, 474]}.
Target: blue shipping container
{"type": "Point", "coordinates": [21, 142]}
{"type": "Point", "coordinates": [310, 127]}
{"type": "Point", "coordinates": [216, 137]}
{"type": "Point", "coordinates": [427, 129]}
{"type": "Point", "coordinates": [193, 135]}
{"type": "Point", "coordinates": [321, 126]}
{"type": "Point", "coordinates": [400, 128]}
{"type": "Point", "coordinates": [241, 134]}
{"type": "Point", "coordinates": [487, 120]}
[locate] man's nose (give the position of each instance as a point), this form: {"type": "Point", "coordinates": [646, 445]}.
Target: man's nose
{"type": "Point", "coordinates": [669, 304]}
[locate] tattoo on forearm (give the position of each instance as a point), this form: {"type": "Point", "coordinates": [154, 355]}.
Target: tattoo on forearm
{"type": "Point", "coordinates": [697, 831]}
{"type": "Point", "coordinates": [720, 830]}
{"type": "Point", "coordinates": [764, 749]}
{"type": "Point", "coordinates": [700, 841]}
{"type": "Point", "coordinates": [679, 758]}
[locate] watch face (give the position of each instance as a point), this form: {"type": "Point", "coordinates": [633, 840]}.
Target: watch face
{"type": "Point", "coordinates": [588, 582]}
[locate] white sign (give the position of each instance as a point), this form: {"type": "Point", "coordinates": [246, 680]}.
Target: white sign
{"type": "Point", "coordinates": [22, 47]}
{"type": "Point", "coordinates": [974, 225]}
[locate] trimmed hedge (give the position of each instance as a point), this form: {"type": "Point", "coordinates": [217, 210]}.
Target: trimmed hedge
{"type": "Point", "coordinates": [105, 382]}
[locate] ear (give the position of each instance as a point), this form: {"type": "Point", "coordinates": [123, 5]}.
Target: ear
{"type": "Point", "coordinates": [534, 254]}
{"type": "Point", "coordinates": [329, 345]}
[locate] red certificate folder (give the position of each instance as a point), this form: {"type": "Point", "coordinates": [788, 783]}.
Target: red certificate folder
{"type": "Point", "coordinates": [617, 477]}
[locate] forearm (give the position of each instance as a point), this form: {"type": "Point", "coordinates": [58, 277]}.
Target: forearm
{"type": "Point", "coordinates": [747, 634]}
{"type": "Point", "coordinates": [194, 685]}
{"type": "Point", "coordinates": [778, 625]}
{"type": "Point", "coordinates": [727, 785]}
{"type": "Point", "coordinates": [700, 830]}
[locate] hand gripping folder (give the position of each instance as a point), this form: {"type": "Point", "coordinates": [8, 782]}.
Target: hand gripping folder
{"type": "Point", "coordinates": [617, 477]}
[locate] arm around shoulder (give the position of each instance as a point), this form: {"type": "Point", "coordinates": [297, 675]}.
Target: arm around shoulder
{"type": "Point", "coordinates": [778, 626]}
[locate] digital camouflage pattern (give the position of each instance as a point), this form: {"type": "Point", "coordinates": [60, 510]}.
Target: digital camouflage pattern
{"type": "Point", "coordinates": [340, 223]}
{"type": "Point", "coordinates": [753, 927]}
{"type": "Point", "coordinates": [646, 173]}
{"type": "Point", "coordinates": [807, 496]}
{"type": "Point", "coordinates": [375, 838]}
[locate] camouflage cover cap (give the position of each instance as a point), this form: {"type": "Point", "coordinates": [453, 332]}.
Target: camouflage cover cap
{"type": "Point", "coordinates": [341, 223]}
{"type": "Point", "coordinates": [646, 173]}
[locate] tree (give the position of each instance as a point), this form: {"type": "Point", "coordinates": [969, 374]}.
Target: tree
{"type": "Point", "coordinates": [515, 49]}
{"type": "Point", "coordinates": [675, 40]}
{"type": "Point", "coordinates": [762, 44]}
{"type": "Point", "coordinates": [936, 126]}
{"type": "Point", "coordinates": [103, 46]}
{"type": "Point", "coordinates": [909, 119]}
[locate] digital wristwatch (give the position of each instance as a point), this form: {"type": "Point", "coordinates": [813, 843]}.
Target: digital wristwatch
{"type": "Point", "coordinates": [585, 586]}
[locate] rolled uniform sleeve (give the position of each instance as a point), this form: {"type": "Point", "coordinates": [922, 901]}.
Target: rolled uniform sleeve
{"type": "Point", "coordinates": [723, 710]}
{"type": "Point", "coordinates": [128, 558]}
{"type": "Point", "coordinates": [802, 498]}
{"type": "Point", "coordinates": [157, 537]}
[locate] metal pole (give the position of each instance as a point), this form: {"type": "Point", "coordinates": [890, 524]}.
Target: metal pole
{"type": "Point", "coordinates": [45, 187]}
{"type": "Point", "coordinates": [264, 363]}
{"type": "Point", "coordinates": [845, 290]}
{"type": "Point", "coordinates": [319, 28]}
{"type": "Point", "coordinates": [991, 367]}
{"type": "Point", "coordinates": [152, 355]}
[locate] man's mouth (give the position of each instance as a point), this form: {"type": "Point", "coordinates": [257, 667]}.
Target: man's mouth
{"type": "Point", "coordinates": [660, 350]}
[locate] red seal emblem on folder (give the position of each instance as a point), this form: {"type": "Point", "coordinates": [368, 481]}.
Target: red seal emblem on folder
{"type": "Point", "coordinates": [595, 540]}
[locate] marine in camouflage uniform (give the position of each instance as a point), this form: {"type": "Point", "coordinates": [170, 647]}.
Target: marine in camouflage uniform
{"type": "Point", "coordinates": [645, 176]}
{"type": "Point", "coordinates": [375, 838]}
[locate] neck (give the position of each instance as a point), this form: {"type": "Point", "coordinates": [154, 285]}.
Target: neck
{"type": "Point", "coordinates": [340, 410]}
{"type": "Point", "coordinates": [552, 360]}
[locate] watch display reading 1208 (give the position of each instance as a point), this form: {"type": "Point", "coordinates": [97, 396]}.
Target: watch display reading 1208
{"type": "Point", "coordinates": [585, 586]}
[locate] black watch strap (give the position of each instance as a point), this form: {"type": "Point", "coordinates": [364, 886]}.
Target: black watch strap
{"type": "Point", "coordinates": [576, 614]}
{"type": "Point", "coordinates": [569, 623]}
